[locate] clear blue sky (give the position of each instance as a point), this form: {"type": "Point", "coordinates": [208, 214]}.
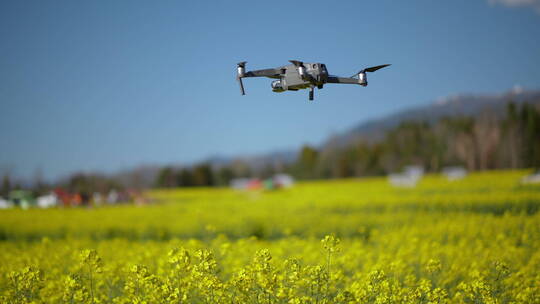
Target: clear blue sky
{"type": "Point", "coordinates": [108, 85]}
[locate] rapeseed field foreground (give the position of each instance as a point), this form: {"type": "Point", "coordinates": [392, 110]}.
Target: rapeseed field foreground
{"type": "Point", "coordinates": [474, 240]}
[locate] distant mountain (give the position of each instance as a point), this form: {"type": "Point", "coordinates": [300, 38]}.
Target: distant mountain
{"type": "Point", "coordinates": [461, 105]}
{"type": "Point", "coordinates": [370, 131]}
{"type": "Point", "coordinates": [375, 129]}
{"type": "Point", "coordinates": [257, 162]}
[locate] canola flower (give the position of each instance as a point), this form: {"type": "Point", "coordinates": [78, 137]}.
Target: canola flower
{"type": "Point", "coordinates": [476, 240]}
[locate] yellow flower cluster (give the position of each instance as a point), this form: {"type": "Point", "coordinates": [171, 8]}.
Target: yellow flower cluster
{"type": "Point", "coordinates": [475, 240]}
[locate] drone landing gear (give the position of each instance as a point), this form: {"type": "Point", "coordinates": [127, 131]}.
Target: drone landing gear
{"type": "Point", "coordinates": [311, 91]}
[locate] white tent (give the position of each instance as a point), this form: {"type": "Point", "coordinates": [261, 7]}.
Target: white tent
{"type": "Point", "coordinates": [47, 201]}
{"type": "Point", "coordinates": [4, 204]}
{"type": "Point", "coordinates": [454, 173]}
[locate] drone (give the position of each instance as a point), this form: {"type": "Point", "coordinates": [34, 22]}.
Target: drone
{"type": "Point", "coordinates": [300, 75]}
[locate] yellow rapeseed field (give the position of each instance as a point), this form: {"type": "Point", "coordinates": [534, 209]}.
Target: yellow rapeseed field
{"type": "Point", "coordinates": [474, 240]}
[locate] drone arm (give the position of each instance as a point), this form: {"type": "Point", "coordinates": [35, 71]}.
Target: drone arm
{"type": "Point", "coordinates": [272, 73]}
{"type": "Point", "coordinates": [345, 80]}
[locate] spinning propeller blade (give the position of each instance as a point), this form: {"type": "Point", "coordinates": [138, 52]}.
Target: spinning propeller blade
{"type": "Point", "coordinates": [297, 63]}
{"type": "Point", "coordinates": [372, 69]}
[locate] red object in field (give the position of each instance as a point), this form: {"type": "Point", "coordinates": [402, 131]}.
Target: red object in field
{"type": "Point", "coordinates": [63, 196]}
{"type": "Point", "coordinates": [76, 199]}
{"type": "Point", "coordinates": [254, 184]}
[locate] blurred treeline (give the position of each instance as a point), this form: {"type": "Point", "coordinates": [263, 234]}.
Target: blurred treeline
{"type": "Point", "coordinates": [85, 183]}
{"type": "Point", "coordinates": [485, 141]}
{"type": "Point", "coordinates": [478, 142]}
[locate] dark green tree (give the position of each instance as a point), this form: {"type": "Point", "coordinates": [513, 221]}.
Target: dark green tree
{"type": "Point", "coordinates": [184, 178]}
{"type": "Point", "coordinates": [307, 163]}
{"type": "Point", "coordinates": [166, 178]}
{"type": "Point", "coordinates": [224, 176]}
{"type": "Point", "coordinates": [203, 175]}
{"type": "Point", "coordinates": [6, 186]}
{"type": "Point", "coordinates": [530, 126]}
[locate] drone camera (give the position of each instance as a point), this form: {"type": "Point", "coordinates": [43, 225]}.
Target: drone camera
{"type": "Point", "coordinates": [277, 86]}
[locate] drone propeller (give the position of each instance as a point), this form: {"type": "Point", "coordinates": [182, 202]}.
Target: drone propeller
{"type": "Point", "coordinates": [372, 69]}
{"type": "Point", "coordinates": [300, 68]}
{"type": "Point", "coordinates": [297, 63]}
{"type": "Point", "coordinates": [241, 70]}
